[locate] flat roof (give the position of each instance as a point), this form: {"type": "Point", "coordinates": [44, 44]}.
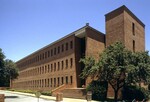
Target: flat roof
{"type": "Point", "coordinates": [119, 11]}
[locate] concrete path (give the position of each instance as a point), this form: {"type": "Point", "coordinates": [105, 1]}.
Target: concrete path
{"type": "Point", "coordinates": [26, 97]}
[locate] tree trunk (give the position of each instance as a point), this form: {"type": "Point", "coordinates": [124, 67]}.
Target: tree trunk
{"type": "Point", "coordinates": [116, 95]}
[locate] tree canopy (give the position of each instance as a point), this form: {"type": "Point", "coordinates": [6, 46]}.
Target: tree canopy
{"type": "Point", "coordinates": [118, 66]}
{"type": "Point", "coordinates": [8, 70]}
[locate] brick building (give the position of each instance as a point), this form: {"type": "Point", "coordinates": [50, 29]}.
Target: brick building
{"type": "Point", "coordinates": [56, 66]}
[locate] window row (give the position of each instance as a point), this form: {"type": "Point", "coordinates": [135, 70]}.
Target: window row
{"type": "Point", "coordinates": [50, 53]}
{"type": "Point", "coordinates": [50, 82]}
{"type": "Point", "coordinates": [48, 68]}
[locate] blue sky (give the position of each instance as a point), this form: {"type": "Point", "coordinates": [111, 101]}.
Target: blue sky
{"type": "Point", "coordinates": [28, 25]}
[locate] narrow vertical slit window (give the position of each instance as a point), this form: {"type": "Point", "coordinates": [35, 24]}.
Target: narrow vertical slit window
{"type": "Point", "coordinates": [133, 46]}
{"type": "Point", "coordinates": [133, 28]}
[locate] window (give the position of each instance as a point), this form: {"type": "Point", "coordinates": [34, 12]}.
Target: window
{"type": "Point", "coordinates": [54, 82]}
{"type": "Point", "coordinates": [45, 68]}
{"type": "Point", "coordinates": [48, 54]}
{"type": "Point", "coordinates": [58, 81]}
{"type": "Point", "coordinates": [66, 80]}
{"type": "Point", "coordinates": [51, 52]}
{"type": "Point", "coordinates": [42, 69]}
{"type": "Point", "coordinates": [48, 82]}
{"type": "Point", "coordinates": [54, 66]}
{"type": "Point", "coordinates": [48, 67]}
{"type": "Point", "coordinates": [51, 67]}
{"type": "Point", "coordinates": [71, 81]}
{"type": "Point", "coordinates": [133, 46]}
{"type": "Point", "coordinates": [66, 46]}
{"type": "Point", "coordinates": [51, 82]}
{"type": "Point", "coordinates": [62, 80]}
{"type": "Point", "coordinates": [45, 55]}
{"type": "Point", "coordinates": [66, 63]}
{"type": "Point", "coordinates": [62, 64]}
{"type": "Point", "coordinates": [45, 82]}
{"type": "Point", "coordinates": [71, 44]}
{"type": "Point", "coordinates": [55, 51]}
{"type": "Point", "coordinates": [71, 62]}
{"type": "Point", "coordinates": [62, 48]}
{"type": "Point", "coordinates": [58, 49]}
{"type": "Point", "coordinates": [133, 28]}
{"type": "Point", "coordinates": [40, 56]}
{"type": "Point", "coordinates": [58, 66]}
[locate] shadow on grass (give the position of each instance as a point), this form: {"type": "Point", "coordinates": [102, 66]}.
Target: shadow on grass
{"type": "Point", "coordinates": [11, 96]}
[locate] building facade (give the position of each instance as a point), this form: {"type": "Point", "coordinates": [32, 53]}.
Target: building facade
{"type": "Point", "coordinates": [58, 63]}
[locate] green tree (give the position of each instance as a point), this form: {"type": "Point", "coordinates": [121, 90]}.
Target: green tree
{"type": "Point", "coordinates": [118, 66]}
{"type": "Point", "coordinates": [8, 70]}
{"type": "Point", "coordinates": [140, 63]}
{"type": "Point", "coordinates": [2, 70]}
{"type": "Point", "coordinates": [11, 71]}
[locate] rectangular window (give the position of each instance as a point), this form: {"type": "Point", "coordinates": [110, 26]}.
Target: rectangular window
{"type": "Point", "coordinates": [133, 28]}
{"type": "Point", "coordinates": [45, 68]}
{"type": "Point", "coordinates": [48, 68]}
{"type": "Point", "coordinates": [48, 54]}
{"type": "Point", "coordinates": [45, 54]}
{"type": "Point", "coordinates": [71, 62]}
{"type": "Point", "coordinates": [71, 44]}
{"type": "Point", "coordinates": [62, 65]}
{"type": "Point", "coordinates": [55, 51]}
{"type": "Point", "coordinates": [62, 48]}
{"type": "Point", "coordinates": [54, 66]}
{"type": "Point", "coordinates": [71, 80]}
{"type": "Point", "coordinates": [62, 80]}
{"type": "Point", "coordinates": [45, 82]}
{"type": "Point", "coordinates": [51, 82]}
{"type": "Point", "coordinates": [58, 81]}
{"type": "Point", "coordinates": [51, 67]}
{"type": "Point", "coordinates": [66, 46]}
{"type": "Point", "coordinates": [51, 52]}
{"type": "Point", "coordinates": [133, 46]}
{"type": "Point", "coordinates": [54, 82]}
{"type": "Point", "coordinates": [66, 80]}
{"type": "Point", "coordinates": [58, 49]}
{"type": "Point", "coordinates": [58, 66]}
{"type": "Point", "coordinates": [66, 63]}
{"type": "Point", "coordinates": [48, 82]}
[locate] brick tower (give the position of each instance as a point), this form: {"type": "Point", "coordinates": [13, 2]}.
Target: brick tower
{"type": "Point", "coordinates": [122, 25]}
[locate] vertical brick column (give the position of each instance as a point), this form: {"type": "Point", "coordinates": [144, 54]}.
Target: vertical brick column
{"type": "Point", "coordinates": [2, 96]}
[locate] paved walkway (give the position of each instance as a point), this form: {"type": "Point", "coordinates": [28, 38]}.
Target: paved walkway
{"type": "Point", "coordinates": [49, 98]}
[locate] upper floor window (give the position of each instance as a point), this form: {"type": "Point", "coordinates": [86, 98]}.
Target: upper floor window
{"type": "Point", "coordinates": [71, 62]}
{"type": "Point", "coordinates": [66, 46]}
{"type": "Point", "coordinates": [133, 46]}
{"type": "Point", "coordinates": [133, 28]}
{"type": "Point", "coordinates": [62, 48]}
{"type": "Point", "coordinates": [58, 49]}
{"type": "Point", "coordinates": [66, 63]}
{"type": "Point", "coordinates": [71, 44]}
{"type": "Point", "coordinates": [51, 52]}
{"type": "Point", "coordinates": [55, 51]}
{"type": "Point", "coordinates": [48, 53]}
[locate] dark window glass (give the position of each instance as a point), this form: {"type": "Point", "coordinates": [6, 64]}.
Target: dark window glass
{"type": "Point", "coordinates": [133, 28]}
{"type": "Point", "coordinates": [66, 46]}
{"type": "Point", "coordinates": [62, 48]}
{"type": "Point", "coordinates": [71, 44]}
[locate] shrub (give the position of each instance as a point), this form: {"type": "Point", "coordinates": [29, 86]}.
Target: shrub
{"type": "Point", "coordinates": [47, 93]}
{"type": "Point", "coordinates": [135, 92]}
{"type": "Point", "coordinates": [99, 90]}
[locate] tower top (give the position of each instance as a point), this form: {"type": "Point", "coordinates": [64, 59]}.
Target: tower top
{"type": "Point", "coordinates": [120, 10]}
